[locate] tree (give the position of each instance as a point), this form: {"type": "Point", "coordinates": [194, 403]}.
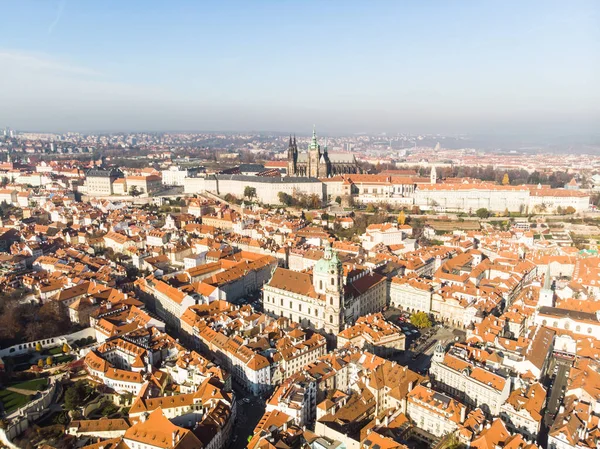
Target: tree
{"type": "Point", "coordinates": [249, 192]}
{"type": "Point", "coordinates": [40, 363]}
{"type": "Point", "coordinates": [482, 213]}
{"type": "Point", "coordinates": [134, 191]}
{"type": "Point", "coordinates": [38, 347]}
{"type": "Point", "coordinates": [314, 201]}
{"type": "Point", "coordinates": [65, 348]}
{"type": "Point", "coordinates": [420, 320]}
{"type": "Point", "coordinates": [285, 199]}
{"type": "Point", "coordinates": [75, 394]}
{"type": "Point", "coordinates": [370, 208]}
{"type": "Point", "coordinates": [505, 180]}
{"type": "Point", "coordinates": [338, 199]}
{"type": "Point", "coordinates": [570, 210]}
{"type": "Point", "coordinates": [401, 218]}
{"type": "Point", "coordinates": [49, 361]}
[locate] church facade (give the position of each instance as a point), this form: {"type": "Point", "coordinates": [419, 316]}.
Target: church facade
{"type": "Point", "coordinates": [324, 299]}
{"type": "Point", "coordinates": [316, 162]}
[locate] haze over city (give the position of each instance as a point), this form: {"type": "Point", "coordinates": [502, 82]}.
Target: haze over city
{"type": "Point", "coordinates": [300, 224]}
{"type": "Point", "coordinates": [497, 67]}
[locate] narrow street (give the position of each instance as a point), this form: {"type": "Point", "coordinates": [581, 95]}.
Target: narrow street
{"type": "Point", "coordinates": [556, 393]}
{"type": "Point", "coordinates": [248, 416]}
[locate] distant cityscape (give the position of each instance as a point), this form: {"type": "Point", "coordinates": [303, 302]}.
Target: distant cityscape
{"type": "Point", "coordinates": [253, 290]}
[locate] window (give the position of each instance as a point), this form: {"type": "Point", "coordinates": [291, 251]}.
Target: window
{"type": "Point", "coordinates": [332, 281]}
{"type": "Point", "coordinates": [321, 285]}
{"type": "Point", "coordinates": [331, 318]}
{"type": "Point", "coordinates": [331, 300]}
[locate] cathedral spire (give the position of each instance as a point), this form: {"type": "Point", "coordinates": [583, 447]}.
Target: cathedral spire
{"type": "Point", "coordinates": [314, 138]}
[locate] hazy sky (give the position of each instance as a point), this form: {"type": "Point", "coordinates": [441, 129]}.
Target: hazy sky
{"type": "Point", "coordinates": [445, 66]}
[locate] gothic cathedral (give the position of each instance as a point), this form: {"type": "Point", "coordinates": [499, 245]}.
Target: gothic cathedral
{"type": "Point", "coordinates": [316, 162]}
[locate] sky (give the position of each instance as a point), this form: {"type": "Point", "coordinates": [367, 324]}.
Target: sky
{"type": "Point", "coordinates": [448, 66]}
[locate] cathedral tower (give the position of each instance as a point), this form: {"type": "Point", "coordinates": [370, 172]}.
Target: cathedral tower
{"type": "Point", "coordinates": [314, 156]}
{"type": "Point", "coordinates": [292, 157]}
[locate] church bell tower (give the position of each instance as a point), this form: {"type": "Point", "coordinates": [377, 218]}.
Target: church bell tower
{"type": "Point", "coordinates": [328, 280]}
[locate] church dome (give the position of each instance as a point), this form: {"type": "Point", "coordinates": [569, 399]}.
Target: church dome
{"type": "Point", "coordinates": [329, 263]}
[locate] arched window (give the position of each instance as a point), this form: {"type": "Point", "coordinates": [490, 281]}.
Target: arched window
{"type": "Point", "coordinates": [578, 328]}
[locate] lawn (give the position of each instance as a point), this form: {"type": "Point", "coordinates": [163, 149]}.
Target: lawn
{"type": "Point", "coordinates": [63, 359]}
{"type": "Point", "coordinates": [12, 401]}
{"type": "Point", "coordinates": [56, 351]}
{"type": "Point", "coordinates": [33, 384]}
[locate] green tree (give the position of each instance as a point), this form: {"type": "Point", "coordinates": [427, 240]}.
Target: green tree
{"type": "Point", "coordinates": [338, 199]}
{"type": "Point", "coordinates": [40, 363]}
{"type": "Point", "coordinates": [75, 394]}
{"type": "Point", "coordinates": [420, 320]}
{"type": "Point", "coordinates": [249, 192]}
{"type": "Point", "coordinates": [38, 347]}
{"type": "Point", "coordinates": [134, 191]}
{"type": "Point", "coordinates": [370, 208]}
{"type": "Point", "coordinates": [285, 199]}
{"type": "Point", "coordinates": [482, 213]}
{"type": "Point", "coordinates": [49, 361]}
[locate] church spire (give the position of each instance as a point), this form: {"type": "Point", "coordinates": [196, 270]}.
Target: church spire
{"type": "Point", "coordinates": [314, 143]}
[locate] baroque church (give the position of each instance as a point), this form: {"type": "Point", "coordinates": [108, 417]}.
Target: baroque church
{"type": "Point", "coordinates": [326, 298]}
{"type": "Point", "coordinates": [316, 162]}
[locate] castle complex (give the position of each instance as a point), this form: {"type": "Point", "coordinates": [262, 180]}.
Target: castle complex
{"type": "Point", "coordinates": [317, 162]}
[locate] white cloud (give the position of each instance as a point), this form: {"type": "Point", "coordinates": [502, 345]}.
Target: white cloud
{"type": "Point", "coordinates": [61, 8]}
{"type": "Point", "coordinates": [12, 60]}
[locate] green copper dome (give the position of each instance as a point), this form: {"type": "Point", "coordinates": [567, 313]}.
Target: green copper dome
{"type": "Point", "coordinates": [329, 263]}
